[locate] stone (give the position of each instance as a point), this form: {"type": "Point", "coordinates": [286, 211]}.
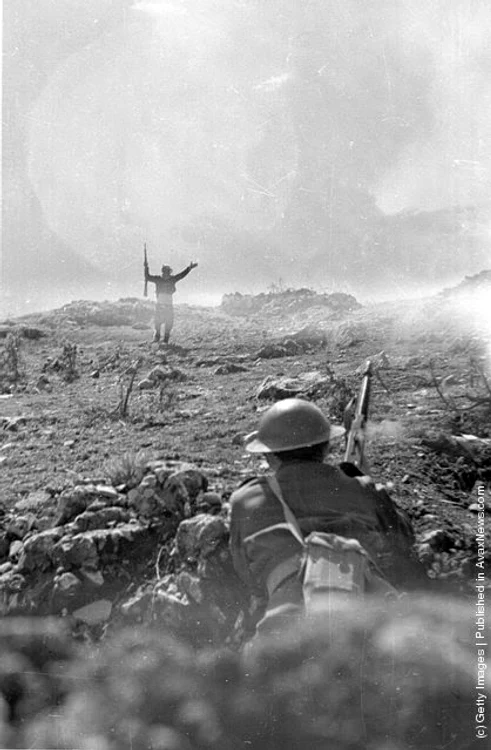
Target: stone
{"type": "Point", "coordinates": [99, 519]}
{"type": "Point", "coordinates": [438, 539]}
{"type": "Point", "coordinates": [200, 536]}
{"type": "Point", "coordinates": [68, 583]}
{"type": "Point", "coordinates": [19, 526]}
{"type": "Point", "coordinates": [107, 491]}
{"type": "Point", "coordinates": [39, 549]}
{"type": "Point", "coordinates": [35, 501]}
{"type": "Point", "coordinates": [193, 479]}
{"type": "Point", "coordinates": [95, 613]}
{"type": "Point", "coordinates": [210, 501]}
{"type": "Point", "coordinates": [146, 384]}
{"type": "Point", "coordinates": [94, 576]}
{"type": "Point", "coordinates": [43, 383]}
{"type": "Point", "coordinates": [306, 384]}
{"type": "Point", "coordinates": [229, 368]}
{"type": "Point", "coordinates": [137, 605]}
{"type": "Point", "coordinates": [16, 549]}
{"type": "Point", "coordinates": [71, 503]}
{"type": "Point", "coordinates": [190, 584]}
{"type": "Point", "coordinates": [76, 552]}
{"type": "Point", "coordinates": [4, 545]}
{"type": "Point", "coordinates": [12, 582]}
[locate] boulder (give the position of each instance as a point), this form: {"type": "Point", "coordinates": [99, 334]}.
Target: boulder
{"type": "Point", "coordinates": [199, 537]}
{"type": "Point", "coordinates": [71, 503]}
{"type": "Point", "coordinates": [39, 550]}
{"type": "Point", "coordinates": [99, 519]}
{"type": "Point", "coordinates": [305, 385]}
{"type": "Point", "coordinates": [19, 526]}
{"type": "Point", "coordinates": [76, 551]}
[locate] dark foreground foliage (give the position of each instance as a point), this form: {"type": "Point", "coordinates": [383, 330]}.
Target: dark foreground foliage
{"type": "Point", "coordinates": [365, 676]}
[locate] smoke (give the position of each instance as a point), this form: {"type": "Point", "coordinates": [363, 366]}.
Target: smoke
{"type": "Point", "coordinates": [270, 140]}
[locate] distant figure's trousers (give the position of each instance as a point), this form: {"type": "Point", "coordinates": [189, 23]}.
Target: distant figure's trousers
{"type": "Point", "coordinates": [164, 316]}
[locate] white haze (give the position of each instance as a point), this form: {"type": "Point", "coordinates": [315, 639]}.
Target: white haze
{"type": "Point", "coordinates": [269, 141]}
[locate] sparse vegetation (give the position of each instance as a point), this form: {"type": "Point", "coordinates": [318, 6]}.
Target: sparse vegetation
{"type": "Point", "coordinates": [128, 469]}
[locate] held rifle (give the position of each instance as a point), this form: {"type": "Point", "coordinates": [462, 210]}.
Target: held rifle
{"type": "Point", "coordinates": [355, 422]}
{"type": "Point", "coordinates": [145, 270]}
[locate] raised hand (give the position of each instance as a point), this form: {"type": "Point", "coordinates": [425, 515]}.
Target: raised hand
{"type": "Point", "coordinates": [192, 265]}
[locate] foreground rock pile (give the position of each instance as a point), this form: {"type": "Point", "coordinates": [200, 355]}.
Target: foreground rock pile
{"type": "Point", "coordinates": [105, 550]}
{"type": "Point", "coordinates": [364, 677]}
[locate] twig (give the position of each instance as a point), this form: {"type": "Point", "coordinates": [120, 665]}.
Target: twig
{"type": "Point", "coordinates": [449, 403]}
{"type": "Point", "coordinates": [380, 380]}
{"type": "Point", "coordinates": [157, 562]}
{"type": "Point", "coordinates": [482, 374]}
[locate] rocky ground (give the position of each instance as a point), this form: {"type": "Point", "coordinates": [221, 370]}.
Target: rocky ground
{"type": "Point", "coordinates": [118, 456]}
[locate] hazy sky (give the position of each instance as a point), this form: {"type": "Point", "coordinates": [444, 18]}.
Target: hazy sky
{"type": "Point", "coordinates": [266, 139]}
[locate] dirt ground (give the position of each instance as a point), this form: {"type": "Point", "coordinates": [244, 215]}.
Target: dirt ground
{"type": "Point", "coordinates": [66, 420]}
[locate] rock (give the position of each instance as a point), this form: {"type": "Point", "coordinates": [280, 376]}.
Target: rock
{"type": "Point", "coordinates": [350, 334]}
{"type": "Point", "coordinates": [4, 545]}
{"type": "Point", "coordinates": [209, 501]}
{"type": "Point", "coordinates": [33, 333]}
{"type": "Point", "coordinates": [438, 539]}
{"type": "Point", "coordinates": [137, 605]}
{"type": "Point", "coordinates": [100, 547]}
{"type": "Point", "coordinates": [94, 613]}
{"type": "Point", "coordinates": [5, 567]}
{"type": "Point", "coordinates": [229, 368]}
{"type": "Point", "coordinates": [190, 585]}
{"type": "Point", "coordinates": [439, 442]}
{"type": "Point", "coordinates": [179, 491]}
{"type": "Point", "coordinates": [160, 374]}
{"type": "Point", "coordinates": [18, 527]}
{"type": "Point", "coordinates": [94, 576]}
{"type": "Point", "coordinates": [307, 384]}
{"type": "Point", "coordinates": [67, 583]}
{"type": "Point", "coordinates": [76, 552]}
{"type": "Point", "coordinates": [99, 519]}
{"type": "Point", "coordinates": [43, 383]}
{"type": "Point", "coordinates": [107, 491]}
{"type": "Point", "coordinates": [12, 582]}
{"type": "Point", "coordinates": [200, 536]}
{"type": "Point", "coordinates": [146, 384]}
{"type": "Point", "coordinates": [36, 500]}
{"type": "Point", "coordinates": [193, 479]}
{"type": "Point", "coordinates": [39, 550]}
{"type": "Point", "coordinates": [15, 551]}
{"type": "Point", "coordinates": [73, 502]}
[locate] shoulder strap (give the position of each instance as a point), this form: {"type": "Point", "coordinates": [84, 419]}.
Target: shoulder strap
{"type": "Point", "coordinates": [289, 516]}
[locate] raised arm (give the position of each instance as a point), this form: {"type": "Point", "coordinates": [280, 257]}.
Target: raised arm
{"type": "Point", "coordinates": [151, 277]}
{"type": "Point", "coordinates": [179, 276]}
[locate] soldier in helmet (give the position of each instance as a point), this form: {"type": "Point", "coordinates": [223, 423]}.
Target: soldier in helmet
{"type": "Point", "coordinates": [165, 286]}
{"type": "Point", "coordinates": [294, 436]}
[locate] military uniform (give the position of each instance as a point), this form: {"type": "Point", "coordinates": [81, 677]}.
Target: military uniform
{"type": "Point", "coordinates": [322, 498]}
{"type": "Point", "coordinates": [164, 309]}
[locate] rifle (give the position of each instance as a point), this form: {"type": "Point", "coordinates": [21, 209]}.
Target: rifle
{"type": "Point", "coordinates": [355, 422]}
{"type": "Point", "coordinates": [145, 269]}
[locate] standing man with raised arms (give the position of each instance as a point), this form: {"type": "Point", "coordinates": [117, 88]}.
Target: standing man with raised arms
{"type": "Point", "coordinates": [165, 286]}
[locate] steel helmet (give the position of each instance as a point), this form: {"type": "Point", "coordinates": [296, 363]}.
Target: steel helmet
{"type": "Point", "coordinates": [290, 424]}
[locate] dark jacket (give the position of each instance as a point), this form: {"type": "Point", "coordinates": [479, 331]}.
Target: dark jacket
{"type": "Point", "coordinates": [167, 285]}
{"type": "Point", "coordinates": [322, 498]}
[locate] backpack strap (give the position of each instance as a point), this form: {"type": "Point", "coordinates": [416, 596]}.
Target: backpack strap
{"type": "Point", "coordinates": [289, 517]}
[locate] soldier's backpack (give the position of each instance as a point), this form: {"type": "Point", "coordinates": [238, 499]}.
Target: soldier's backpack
{"type": "Point", "coordinates": [328, 564]}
